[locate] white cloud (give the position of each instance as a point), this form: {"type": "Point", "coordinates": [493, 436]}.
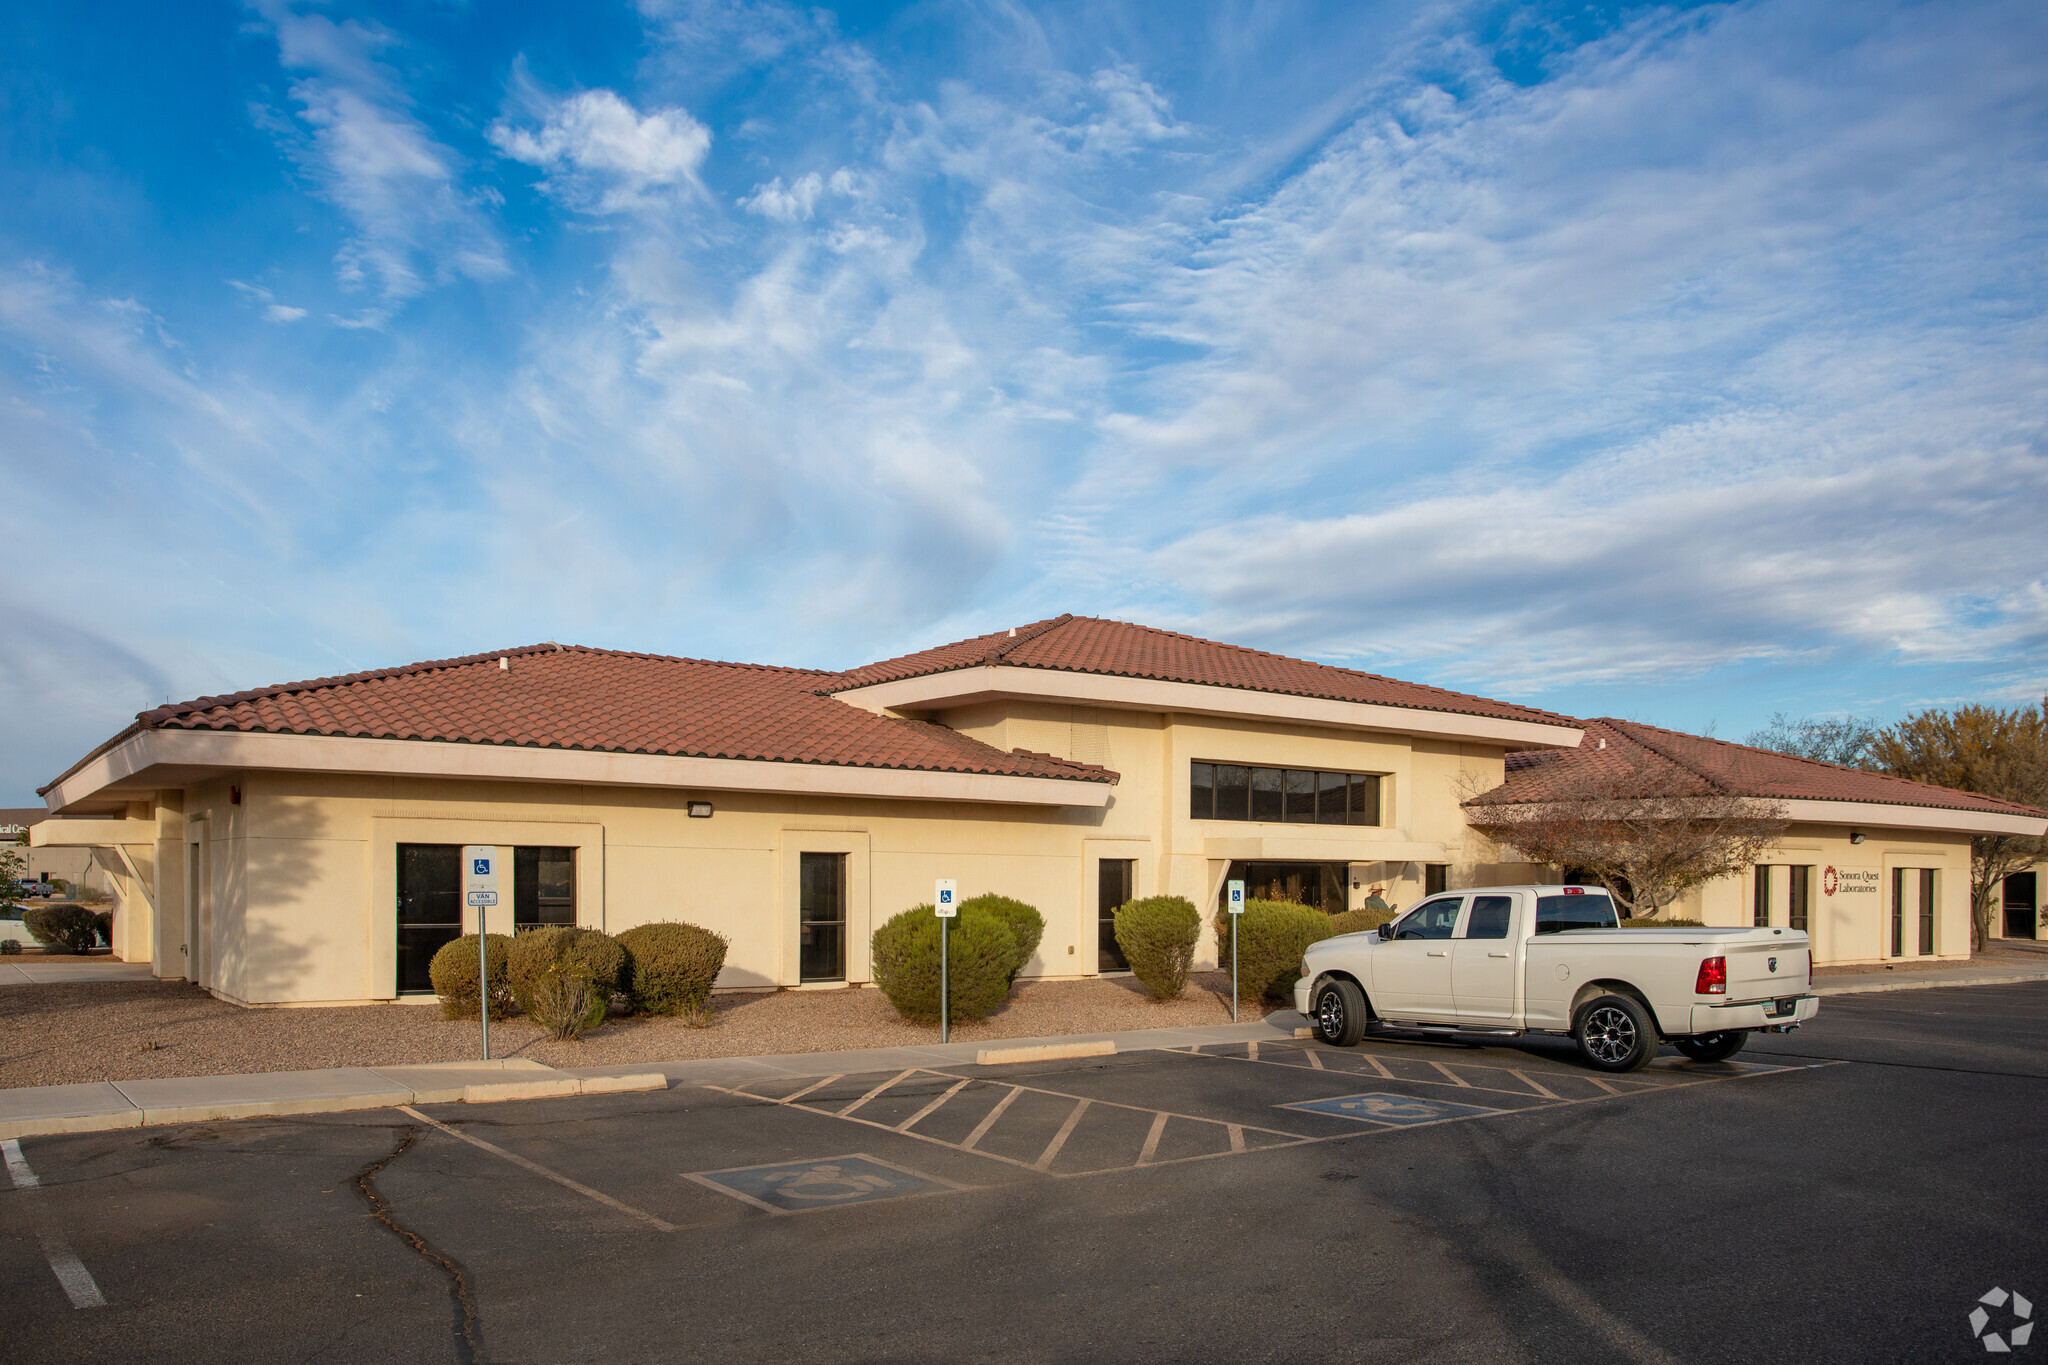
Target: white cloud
{"type": "Point", "coordinates": [603, 156]}
{"type": "Point", "coordinates": [415, 223]}
{"type": "Point", "coordinates": [273, 311]}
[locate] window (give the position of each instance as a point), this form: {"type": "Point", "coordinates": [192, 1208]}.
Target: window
{"type": "Point", "coordinates": [429, 909]}
{"type": "Point", "coordinates": [1431, 919]}
{"type": "Point", "coordinates": [1760, 900]}
{"type": "Point", "coordinates": [1297, 796]}
{"type": "Point", "coordinates": [1926, 911]}
{"type": "Point", "coordinates": [1321, 885]}
{"type": "Point", "coordinates": [1490, 916]}
{"type": "Point", "coordinates": [821, 937]}
{"type": "Point", "coordinates": [1799, 895]}
{"type": "Point", "coordinates": [543, 887]}
{"type": "Point", "coordinates": [1113, 882]}
{"type": "Point", "coordinates": [1556, 914]}
{"type": "Point", "coordinates": [1898, 912]}
{"type": "Point", "coordinates": [1436, 877]}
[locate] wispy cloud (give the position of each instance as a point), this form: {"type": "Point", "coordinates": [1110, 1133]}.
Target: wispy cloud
{"type": "Point", "coordinates": [415, 223]}
{"type": "Point", "coordinates": [603, 156]}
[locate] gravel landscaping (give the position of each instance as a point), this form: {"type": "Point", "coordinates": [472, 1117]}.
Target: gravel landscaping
{"type": "Point", "coordinates": [60, 1034]}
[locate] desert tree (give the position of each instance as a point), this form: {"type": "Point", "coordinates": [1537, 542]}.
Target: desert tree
{"type": "Point", "coordinates": [1981, 749]}
{"type": "Point", "coordinates": [1649, 833]}
{"type": "Point", "coordinates": [1844, 740]}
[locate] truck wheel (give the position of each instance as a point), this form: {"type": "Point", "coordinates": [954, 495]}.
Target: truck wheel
{"type": "Point", "coordinates": [1340, 1013]}
{"type": "Point", "coordinates": [1615, 1033]}
{"type": "Point", "coordinates": [1713, 1047]}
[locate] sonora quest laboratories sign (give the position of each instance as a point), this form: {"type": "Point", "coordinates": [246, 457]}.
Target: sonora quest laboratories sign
{"type": "Point", "coordinates": [1851, 881]}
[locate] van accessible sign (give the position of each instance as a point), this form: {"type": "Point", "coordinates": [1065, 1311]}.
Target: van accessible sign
{"type": "Point", "coordinates": [1851, 881]}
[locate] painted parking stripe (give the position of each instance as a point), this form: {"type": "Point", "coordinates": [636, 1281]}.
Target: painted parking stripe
{"type": "Point", "coordinates": [599, 1196]}
{"type": "Point", "coordinates": [1385, 1107]}
{"type": "Point", "coordinates": [76, 1281]}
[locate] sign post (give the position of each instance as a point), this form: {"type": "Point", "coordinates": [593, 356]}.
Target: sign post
{"type": "Point", "coordinates": [480, 889]}
{"type": "Point", "coordinates": [1235, 894]}
{"type": "Point", "coordinates": [946, 905]}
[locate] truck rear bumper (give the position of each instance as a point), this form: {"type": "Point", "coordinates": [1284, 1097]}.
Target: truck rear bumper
{"type": "Point", "coordinates": [1720, 1018]}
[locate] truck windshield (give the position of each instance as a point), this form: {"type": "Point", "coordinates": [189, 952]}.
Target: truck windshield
{"type": "Point", "coordinates": [1555, 914]}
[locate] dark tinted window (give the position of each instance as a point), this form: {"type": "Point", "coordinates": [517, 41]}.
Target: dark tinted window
{"type": "Point", "coordinates": [1233, 792]}
{"type": "Point", "coordinates": [1431, 919]}
{"type": "Point", "coordinates": [1300, 796]}
{"type": "Point", "coordinates": [1555, 914]}
{"type": "Point", "coordinates": [1266, 794]}
{"type": "Point", "coordinates": [1201, 791]}
{"type": "Point", "coordinates": [1490, 916]}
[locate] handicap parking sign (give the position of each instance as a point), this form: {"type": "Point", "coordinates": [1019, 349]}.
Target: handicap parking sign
{"type": "Point", "coordinates": [1381, 1107]}
{"type": "Point", "coordinates": [795, 1186]}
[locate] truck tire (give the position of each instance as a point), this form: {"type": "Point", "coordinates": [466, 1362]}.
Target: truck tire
{"type": "Point", "coordinates": [1340, 1013]}
{"type": "Point", "coordinates": [1615, 1033]}
{"type": "Point", "coordinates": [1712, 1047]}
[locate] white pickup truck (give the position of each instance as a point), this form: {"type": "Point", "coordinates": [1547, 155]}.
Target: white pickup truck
{"type": "Point", "coordinates": [1507, 960]}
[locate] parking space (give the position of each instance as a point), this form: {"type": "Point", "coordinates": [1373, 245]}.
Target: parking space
{"type": "Point", "coordinates": [1148, 1187]}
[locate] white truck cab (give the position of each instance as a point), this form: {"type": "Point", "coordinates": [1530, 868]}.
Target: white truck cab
{"type": "Point", "coordinates": [1506, 960]}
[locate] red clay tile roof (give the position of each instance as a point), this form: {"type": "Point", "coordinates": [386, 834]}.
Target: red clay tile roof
{"type": "Point", "coordinates": [1672, 763]}
{"type": "Point", "coordinates": [1083, 644]}
{"type": "Point", "coordinates": [576, 698]}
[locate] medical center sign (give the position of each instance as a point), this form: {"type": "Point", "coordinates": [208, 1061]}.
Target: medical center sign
{"type": "Point", "coordinates": [1850, 881]}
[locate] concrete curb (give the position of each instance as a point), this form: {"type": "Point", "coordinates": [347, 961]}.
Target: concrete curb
{"type": "Point", "coordinates": [1851, 986]}
{"type": "Point", "coordinates": [1048, 1052]}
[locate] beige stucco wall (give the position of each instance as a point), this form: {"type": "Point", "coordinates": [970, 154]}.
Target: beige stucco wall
{"type": "Point", "coordinates": [295, 882]}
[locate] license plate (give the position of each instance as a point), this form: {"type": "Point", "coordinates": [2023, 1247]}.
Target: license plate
{"type": "Point", "coordinates": [1778, 1009]}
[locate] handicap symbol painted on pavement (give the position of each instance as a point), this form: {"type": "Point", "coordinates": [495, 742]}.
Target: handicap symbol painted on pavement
{"type": "Point", "coordinates": [793, 1186]}
{"type": "Point", "coordinates": [1386, 1108]}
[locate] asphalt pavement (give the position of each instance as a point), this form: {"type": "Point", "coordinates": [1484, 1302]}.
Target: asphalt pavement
{"type": "Point", "coordinates": [1849, 1192]}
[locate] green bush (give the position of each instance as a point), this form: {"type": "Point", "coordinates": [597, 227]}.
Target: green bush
{"type": "Point", "coordinates": [981, 951]}
{"type": "Point", "coordinates": [453, 972]}
{"type": "Point", "coordinates": [62, 928]}
{"type": "Point", "coordinates": [90, 895]}
{"type": "Point", "coordinates": [1271, 937]}
{"type": "Point", "coordinates": [9, 946]}
{"type": "Point", "coordinates": [539, 954]}
{"type": "Point", "coordinates": [1157, 936]}
{"type": "Point", "coordinates": [1024, 922]}
{"type": "Point", "coordinates": [671, 967]}
{"type": "Point", "coordinates": [103, 925]}
{"type": "Point", "coordinates": [1358, 921]}
{"type": "Point", "coordinates": [563, 1000]}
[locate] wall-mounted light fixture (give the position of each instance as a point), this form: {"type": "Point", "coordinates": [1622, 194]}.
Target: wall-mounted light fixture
{"type": "Point", "coordinates": [700, 810]}
{"type": "Point", "coordinates": [1855, 836]}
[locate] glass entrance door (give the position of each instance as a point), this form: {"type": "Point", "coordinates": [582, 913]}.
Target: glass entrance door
{"type": "Point", "coordinates": [2020, 915]}
{"type": "Point", "coordinates": [1112, 889]}
{"type": "Point", "coordinates": [429, 909]}
{"type": "Point", "coordinates": [821, 950]}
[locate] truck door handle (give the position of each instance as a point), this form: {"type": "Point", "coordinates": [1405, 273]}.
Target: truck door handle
{"type": "Point", "coordinates": [1496, 954]}
{"type": "Point", "coordinates": [1445, 953]}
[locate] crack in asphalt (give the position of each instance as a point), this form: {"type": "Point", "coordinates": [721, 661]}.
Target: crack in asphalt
{"type": "Point", "coordinates": [469, 1347]}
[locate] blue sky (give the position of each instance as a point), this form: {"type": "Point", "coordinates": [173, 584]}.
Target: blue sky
{"type": "Point", "coordinates": [1679, 363]}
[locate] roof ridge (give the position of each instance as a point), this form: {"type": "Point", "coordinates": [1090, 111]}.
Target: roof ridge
{"type": "Point", "coordinates": [159, 714]}
{"type": "Point", "coordinates": [1031, 632]}
{"type": "Point", "coordinates": [1824, 763]}
{"type": "Point", "coordinates": [1616, 724]}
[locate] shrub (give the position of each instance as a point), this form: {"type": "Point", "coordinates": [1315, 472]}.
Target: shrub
{"type": "Point", "coordinates": [453, 972]}
{"type": "Point", "coordinates": [1024, 922]}
{"type": "Point", "coordinates": [537, 953]}
{"type": "Point", "coordinates": [90, 895]}
{"type": "Point", "coordinates": [1157, 936]}
{"type": "Point", "coordinates": [9, 946]}
{"type": "Point", "coordinates": [64, 928]}
{"type": "Point", "coordinates": [1358, 921]}
{"type": "Point", "coordinates": [1271, 936]}
{"type": "Point", "coordinates": [980, 951]}
{"type": "Point", "coordinates": [671, 968]}
{"type": "Point", "coordinates": [103, 925]}
{"type": "Point", "coordinates": [563, 1000]}
{"type": "Point", "coordinates": [1643, 922]}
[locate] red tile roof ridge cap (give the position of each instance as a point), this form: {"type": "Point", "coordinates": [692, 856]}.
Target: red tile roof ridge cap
{"type": "Point", "coordinates": [1069, 762]}
{"type": "Point", "coordinates": [156, 716]}
{"type": "Point", "coordinates": [1627, 730]}
{"type": "Point", "coordinates": [1633, 725]}
{"type": "Point", "coordinates": [1022, 635]}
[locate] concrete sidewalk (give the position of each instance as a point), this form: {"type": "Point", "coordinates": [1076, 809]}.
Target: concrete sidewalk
{"type": "Point", "coordinates": [96, 1106]}
{"type": "Point", "coordinates": [2001, 974]}
{"type": "Point", "coordinates": [26, 971]}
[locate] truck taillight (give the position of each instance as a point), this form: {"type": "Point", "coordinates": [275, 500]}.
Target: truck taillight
{"type": "Point", "coordinates": [1713, 977]}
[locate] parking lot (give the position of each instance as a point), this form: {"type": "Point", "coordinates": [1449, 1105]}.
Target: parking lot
{"type": "Point", "coordinates": [1848, 1192]}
